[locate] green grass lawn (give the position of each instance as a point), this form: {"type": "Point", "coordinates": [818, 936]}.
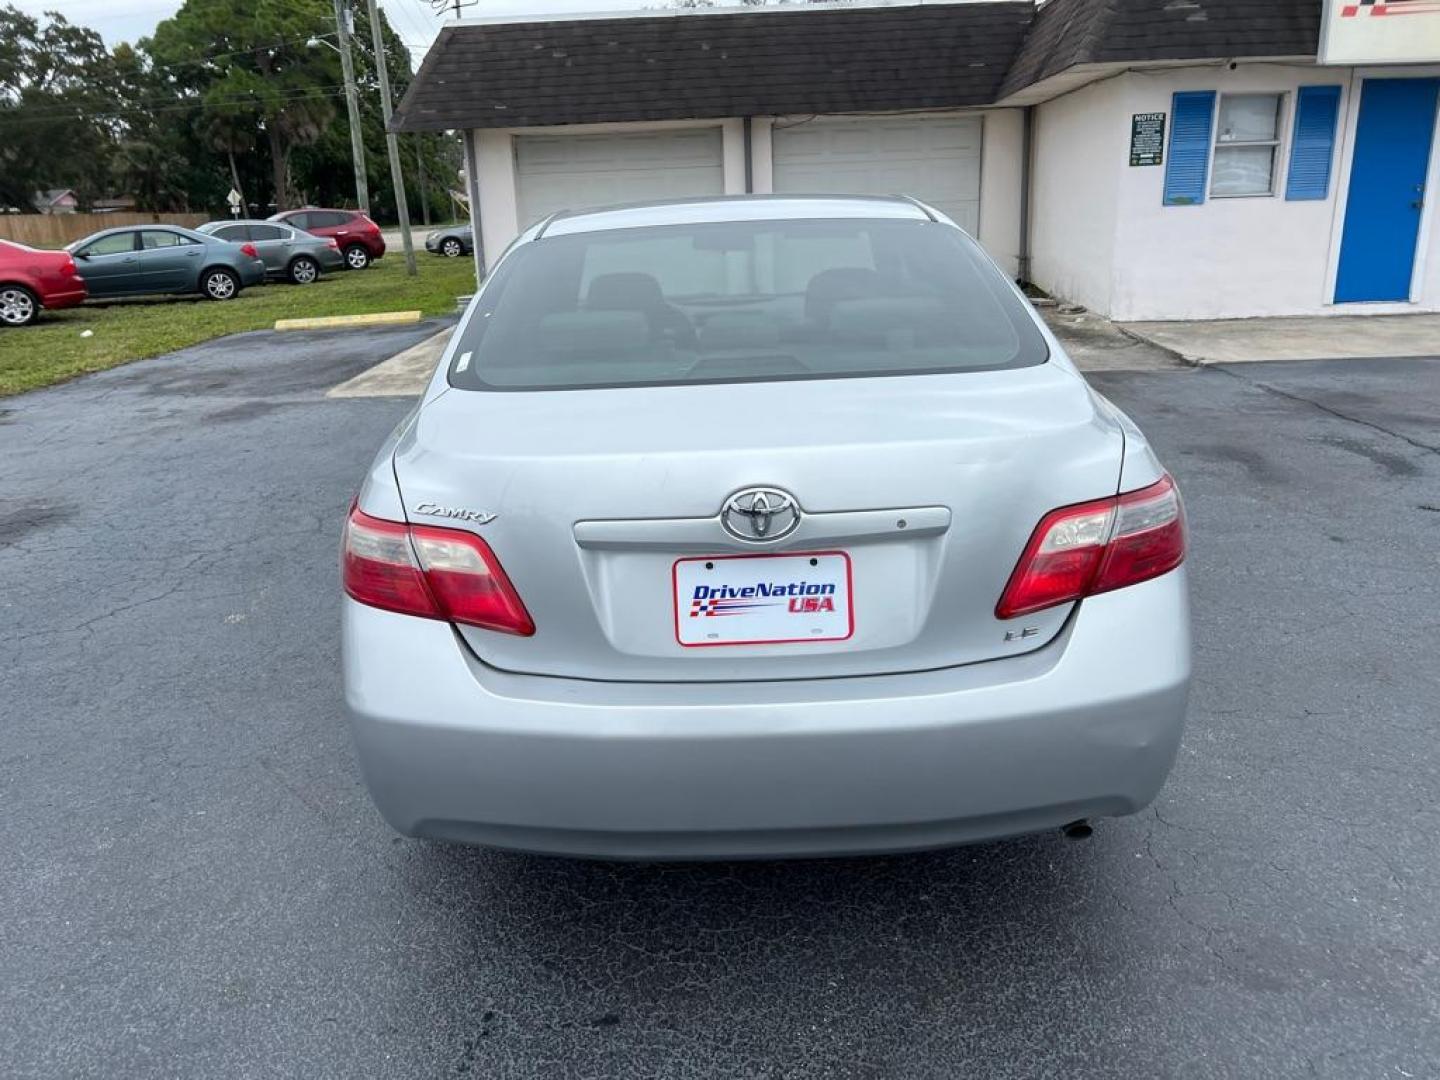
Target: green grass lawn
{"type": "Point", "coordinates": [53, 349]}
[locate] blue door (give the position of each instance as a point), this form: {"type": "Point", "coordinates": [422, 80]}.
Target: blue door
{"type": "Point", "coordinates": [1387, 189]}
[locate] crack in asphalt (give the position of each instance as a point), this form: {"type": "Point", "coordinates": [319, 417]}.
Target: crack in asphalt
{"type": "Point", "coordinates": [1290, 395]}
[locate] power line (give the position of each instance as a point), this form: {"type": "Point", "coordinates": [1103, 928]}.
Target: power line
{"type": "Point", "coordinates": [442, 6]}
{"type": "Point", "coordinates": [413, 21]}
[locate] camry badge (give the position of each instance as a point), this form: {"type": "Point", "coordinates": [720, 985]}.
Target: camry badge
{"type": "Point", "coordinates": [760, 514]}
{"type": "Point", "coordinates": [457, 513]}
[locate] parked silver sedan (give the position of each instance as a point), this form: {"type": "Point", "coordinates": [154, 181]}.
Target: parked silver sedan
{"type": "Point", "coordinates": [759, 527]}
{"type": "Point", "coordinates": [289, 254]}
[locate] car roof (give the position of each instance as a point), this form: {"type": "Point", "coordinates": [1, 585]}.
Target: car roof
{"type": "Point", "coordinates": [142, 226]}
{"type": "Point", "coordinates": [723, 208]}
{"type": "Point", "coordinates": [306, 209]}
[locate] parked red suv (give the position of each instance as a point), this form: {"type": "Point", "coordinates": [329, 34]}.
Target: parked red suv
{"type": "Point", "coordinates": [359, 237]}
{"type": "Point", "coordinates": [31, 279]}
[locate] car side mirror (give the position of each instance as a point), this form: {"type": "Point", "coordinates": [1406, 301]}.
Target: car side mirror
{"type": "Point", "coordinates": [82, 254]}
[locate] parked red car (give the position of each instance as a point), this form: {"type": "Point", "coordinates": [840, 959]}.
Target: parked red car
{"type": "Point", "coordinates": [31, 279]}
{"type": "Point", "coordinates": [359, 237]}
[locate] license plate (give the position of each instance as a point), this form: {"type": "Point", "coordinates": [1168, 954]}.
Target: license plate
{"type": "Point", "coordinates": [763, 599]}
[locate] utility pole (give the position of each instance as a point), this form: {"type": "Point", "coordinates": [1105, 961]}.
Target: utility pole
{"type": "Point", "coordinates": [392, 144]}
{"type": "Point", "coordinates": [352, 105]}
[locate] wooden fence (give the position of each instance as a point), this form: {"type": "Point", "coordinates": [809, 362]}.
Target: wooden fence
{"type": "Point", "coordinates": [57, 230]}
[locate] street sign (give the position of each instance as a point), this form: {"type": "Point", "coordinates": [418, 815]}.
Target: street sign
{"type": "Point", "coordinates": [236, 201]}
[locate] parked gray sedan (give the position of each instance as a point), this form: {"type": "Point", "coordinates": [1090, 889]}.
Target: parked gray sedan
{"type": "Point", "coordinates": [761, 527]}
{"type": "Point", "coordinates": [451, 241]}
{"type": "Point", "coordinates": [159, 259]}
{"type": "Point", "coordinates": [289, 254]}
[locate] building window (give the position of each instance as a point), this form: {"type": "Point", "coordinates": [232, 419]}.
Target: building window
{"type": "Point", "coordinates": [1247, 145]}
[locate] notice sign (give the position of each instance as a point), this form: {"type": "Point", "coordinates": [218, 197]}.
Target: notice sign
{"type": "Point", "coordinates": [1147, 138]}
{"type": "Point", "coordinates": [1380, 32]}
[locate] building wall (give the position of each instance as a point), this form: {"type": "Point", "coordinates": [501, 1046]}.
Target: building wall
{"type": "Point", "coordinates": [999, 230]}
{"type": "Point", "coordinates": [495, 174]}
{"type": "Point", "coordinates": [1002, 142]}
{"type": "Point", "coordinates": [1074, 203]}
{"type": "Point", "coordinates": [1224, 258]}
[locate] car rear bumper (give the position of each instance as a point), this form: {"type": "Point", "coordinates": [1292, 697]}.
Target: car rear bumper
{"type": "Point", "coordinates": [252, 272]}
{"type": "Point", "coordinates": [53, 301]}
{"type": "Point", "coordinates": [1084, 727]}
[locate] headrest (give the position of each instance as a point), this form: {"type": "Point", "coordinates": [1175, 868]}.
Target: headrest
{"type": "Point", "coordinates": [630, 291]}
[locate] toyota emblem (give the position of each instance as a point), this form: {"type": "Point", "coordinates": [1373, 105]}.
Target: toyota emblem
{"type": "Point", "coordinates": [760, 514]}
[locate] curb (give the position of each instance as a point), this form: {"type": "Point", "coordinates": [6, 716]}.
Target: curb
{"type": "Point", "coordinates": [1188, 361]}
{"type": "Point", "coordinates": [341, 322]}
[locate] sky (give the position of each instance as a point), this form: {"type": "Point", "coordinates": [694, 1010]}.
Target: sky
{"type": "Point", "coordinates": [413, 20]}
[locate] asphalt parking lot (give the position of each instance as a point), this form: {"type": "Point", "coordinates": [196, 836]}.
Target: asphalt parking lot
{"type": "Point", "coordinates": [193, 882]}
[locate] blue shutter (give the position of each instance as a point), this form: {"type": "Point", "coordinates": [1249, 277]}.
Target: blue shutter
{"type": "Point", "coordinates": [1188, 165]}
{"type": "Point", "coordinates": [1314, 144]}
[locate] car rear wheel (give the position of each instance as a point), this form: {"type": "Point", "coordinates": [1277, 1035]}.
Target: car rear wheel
{"type": "Point", "coordinates": [304, 270]}
{"type": "Point", "coordinates": [18, 306]}
{"type": "Point", "coordinates": [451, 249]}
{"type": "Point", "coordinates": [356, 257]}
{"type": "Point", "coordinates": [219, 284]}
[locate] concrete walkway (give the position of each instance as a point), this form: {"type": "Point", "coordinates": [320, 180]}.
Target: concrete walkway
{"type": "Point", "coordinates": [403, 375]}
{"type": "Point", "coordinates": [1332, 337]}
{"type": "Point", "coordinates": [1097, 344]}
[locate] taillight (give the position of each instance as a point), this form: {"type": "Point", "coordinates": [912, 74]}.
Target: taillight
{"type": "Point", "coordinates": [68, 267]}
{"type": "Point", "coordinates": [249, 249]}
{"type": "Point", "coordinates": [1094, 547]}
{"type": "Point", "coordinates": [330, 241]}
{"type": "Point", "coordinates": [431, 572]}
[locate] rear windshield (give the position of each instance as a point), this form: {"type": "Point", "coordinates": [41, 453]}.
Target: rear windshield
{"type": "Point", "coordinates": [742, 301]}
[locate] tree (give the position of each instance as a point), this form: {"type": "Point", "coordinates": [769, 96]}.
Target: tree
{"type": "Point", "coordinates": [254, 60]}
{"type": "Point", "coordinates": [50, 134]}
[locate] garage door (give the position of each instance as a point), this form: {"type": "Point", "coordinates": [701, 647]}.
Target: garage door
{"type": "Point", "coordinates": [571, 172]}
{"type": "Point", "coordinates": [934, 159]}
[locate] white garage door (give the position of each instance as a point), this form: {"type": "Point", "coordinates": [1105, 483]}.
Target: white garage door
{"type": "Point", "coordinates": [572, 172]}
{"type": "Point", "coordinates": [933, 159]}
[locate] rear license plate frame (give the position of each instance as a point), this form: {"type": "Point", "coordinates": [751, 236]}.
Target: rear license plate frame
{"type": "Point", "coordinates": [841, 569]}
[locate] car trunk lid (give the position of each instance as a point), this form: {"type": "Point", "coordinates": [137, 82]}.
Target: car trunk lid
{"type": "Point", "coordinates": [916, 495]}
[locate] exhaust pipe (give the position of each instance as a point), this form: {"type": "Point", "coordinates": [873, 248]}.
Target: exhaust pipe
{"type": "Point", "coordinates": [1077, 830]}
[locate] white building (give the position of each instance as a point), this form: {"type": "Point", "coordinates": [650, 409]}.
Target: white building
{"type": "Point", "coordinates": [1150, 159]}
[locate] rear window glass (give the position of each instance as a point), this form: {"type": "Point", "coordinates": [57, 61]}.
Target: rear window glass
{"type": "Point", "coordinates": [742, 301]}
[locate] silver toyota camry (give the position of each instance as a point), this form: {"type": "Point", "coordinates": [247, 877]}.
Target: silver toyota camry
{"type": "Point", "coordinates": [757, 527]}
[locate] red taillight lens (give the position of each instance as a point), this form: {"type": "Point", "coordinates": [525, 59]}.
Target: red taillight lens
{"type": "Point", "coordinates": [68, 267]}
{"type": "Point", "coordinates": [330, 241]}
{"type": "Point", "coordinates": [1078, 551]}
{"type": "Point", "coordinates": [249, 249]}
{"type": "Point", "coordinates": [431, 572]}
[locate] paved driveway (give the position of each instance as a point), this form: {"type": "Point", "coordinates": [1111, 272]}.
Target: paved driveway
{"type": "Point", "coordinates": [193, 882]}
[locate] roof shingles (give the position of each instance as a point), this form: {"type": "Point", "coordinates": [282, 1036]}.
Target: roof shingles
{"type": "Point", "coordinates": [714, 65]}
{"type": "Point", "coordinates": [1070, 32]}
{"type": "Point", "coordinates": [738, 63]}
